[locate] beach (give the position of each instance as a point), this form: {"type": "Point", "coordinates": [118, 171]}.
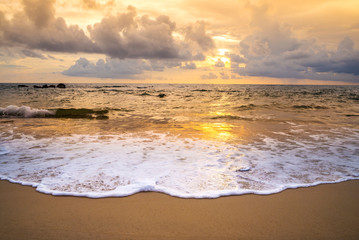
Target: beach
{"type": "Point", "coordinates": [328, 211]}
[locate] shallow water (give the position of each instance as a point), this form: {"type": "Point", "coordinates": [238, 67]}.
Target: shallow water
{"type": "Point", "coordinates": [192, 141]}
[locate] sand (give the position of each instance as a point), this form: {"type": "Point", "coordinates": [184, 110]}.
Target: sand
{"type": "Point", "coordinates": [328, 211]}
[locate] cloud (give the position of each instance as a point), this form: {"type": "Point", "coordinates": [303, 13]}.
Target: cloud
{"type": "Point", "coordinates": [11, 66]}
{"type": "Point", "coordinates": [197, 33]}
{"type": "Point", "coordinates": [219, 63]}
{"type": "Point", "coordinates": [125, 35]}
{"type": "Point", "coordinates": [40, 30]}
{"type": "Point", "coordinates": [190, 65]}
{"type": "Point", "coordinates": [40, 12]}
{"type": "Point", "coordinates": [93, 4]}
{"type": "Point", "coordinates": [344, 60]}
{"type": "Point", "coordinates": [90, 4]}
{"type": "Point", "coordinates": [273, 51]}
{"type": "Point", "coordinates": [210, 75]}
{"type": "Point", "coordinates": [224, 75]}
{"type": "Point", "coordinates": [122, 68]}
{"type": "Point", "coordinates": [111, 68]}
{"type": "Point", "coordinates": [117, 68]}
{"type": "Point", "coordinates": [29, 53]}
{"type": "Point", "coordinates": [6, 54]}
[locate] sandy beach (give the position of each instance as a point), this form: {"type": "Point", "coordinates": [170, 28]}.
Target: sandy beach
{"type": "Point", "coordinates": [323, 212]}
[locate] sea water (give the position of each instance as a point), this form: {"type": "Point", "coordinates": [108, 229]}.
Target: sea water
{"type": "Point", "coordinates": [190, 141]}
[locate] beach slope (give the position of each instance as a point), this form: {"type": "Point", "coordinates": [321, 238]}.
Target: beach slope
{"type": "Point", "coordinates": [328, 211]}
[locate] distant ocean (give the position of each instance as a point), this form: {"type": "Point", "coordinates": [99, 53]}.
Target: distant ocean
{"type": "Point", "coordinates": [190, 141]}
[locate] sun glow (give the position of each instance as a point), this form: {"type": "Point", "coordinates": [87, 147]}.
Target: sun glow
{"type": "Point", "coordinates": [218, 131]}
{"type": "Point", "coordinates": [222, 51]}
{"type": "Point", "coordinates": [224, 59]}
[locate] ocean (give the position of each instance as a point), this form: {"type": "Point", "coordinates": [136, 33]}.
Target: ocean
{"type": "Point", "coordinates": [189, 141]}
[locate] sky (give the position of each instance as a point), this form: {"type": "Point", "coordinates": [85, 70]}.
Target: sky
{"type": "Point", "coordinates": [180, 41]}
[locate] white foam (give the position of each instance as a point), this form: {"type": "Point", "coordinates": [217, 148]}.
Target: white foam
{"type": "Point", "coordinates": [3, 151]}
{"type": "Point", "coordinates": [24, 111]}
{"type": "Point", "coordinates": [120, 165]}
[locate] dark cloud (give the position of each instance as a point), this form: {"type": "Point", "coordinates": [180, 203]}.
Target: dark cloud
{"type": "Point", "coordinates": [273, 51]}
{"type": "Point", "coordinates": [344, 60]}
{"type": "Point", "coordinates": [37, 28]}
{"type": "Point", "coordinates": [126, 35]}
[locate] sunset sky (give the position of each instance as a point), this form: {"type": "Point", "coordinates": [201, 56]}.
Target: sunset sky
{"type": "Point", "coordinates": [180, 41]}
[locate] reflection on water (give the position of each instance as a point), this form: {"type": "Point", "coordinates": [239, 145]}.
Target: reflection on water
{"type": "Point", "coordinates": [223, 113]}
{"type": "Point", "coordinates": [216, 131]}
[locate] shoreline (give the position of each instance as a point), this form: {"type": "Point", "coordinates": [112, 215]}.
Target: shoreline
{"type": "Point", "coordinates": [326, 211]}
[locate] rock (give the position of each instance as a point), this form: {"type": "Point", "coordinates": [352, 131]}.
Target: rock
{"type": "Point", "coordinates": [161, 95]}
{"type": "Point", "coordinates": [102, 117]}
{"type": "Point", "coordinates": [45, 86]}
{"type": "Point", "coordinates": [22, 85]}
{"type": "Point", "coordinates": [37, 86]}
{"type": "Point", "coordinates": [61, 85]}
{"type": "Point", "coordinates": [52, 86]}
{"type": "Point", "coordinates": [145, 94]}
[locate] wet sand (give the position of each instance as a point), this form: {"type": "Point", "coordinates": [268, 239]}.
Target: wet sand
{"type": "Point", "coordinates": [328, 211]}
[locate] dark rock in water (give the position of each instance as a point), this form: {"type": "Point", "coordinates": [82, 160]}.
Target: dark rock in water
{"type": "Point", "coordinates": [145, 94]}
{"type": "Point", "coordinates": [22, 85]}
{"type": "Point", "coordinates": [61, 85]}
{"type": "Point", "coordinates": [44, 86]}
{"type": "Point", "coordinates": [161, 95]}
{"type": "Point", "coordinates": [201, 90]}
{"type": "Point", "coordinates": [81, 113]}
{"type": "Point", "coordinates": [102, 117]}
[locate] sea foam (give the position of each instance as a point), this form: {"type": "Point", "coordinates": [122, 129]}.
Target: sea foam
{"type": "Point", "coordinates": [24, 111]}
{"type": "Point", "coordinates": [120, 165]}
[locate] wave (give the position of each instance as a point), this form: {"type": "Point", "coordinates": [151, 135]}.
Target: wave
{"type": "Point", "coordinates": [245, 107]}
{"type": "Point", "coordinates": [309, 107]}
{"type": "Point", "coordinates": [232, 117]}
{"type": "Point", "coordinates": [28, 112]}
{"type": "Point", "coordinates": [121, 165]}
{"type": "Point", "coordinates": [25, 112]}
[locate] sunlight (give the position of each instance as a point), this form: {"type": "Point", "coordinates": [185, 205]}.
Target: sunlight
{"type": "Point", "coordinates": [224, 59]}
{"type": "Point", "coordinates": [222, 51]}
{"type": "Point", "coordinates": [216, 131]}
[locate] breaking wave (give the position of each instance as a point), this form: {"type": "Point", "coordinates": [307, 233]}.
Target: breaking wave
{"type": "Point", "coordinates": [25, 112]}
{"type": "Point", "coordinates": [28, 112]}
